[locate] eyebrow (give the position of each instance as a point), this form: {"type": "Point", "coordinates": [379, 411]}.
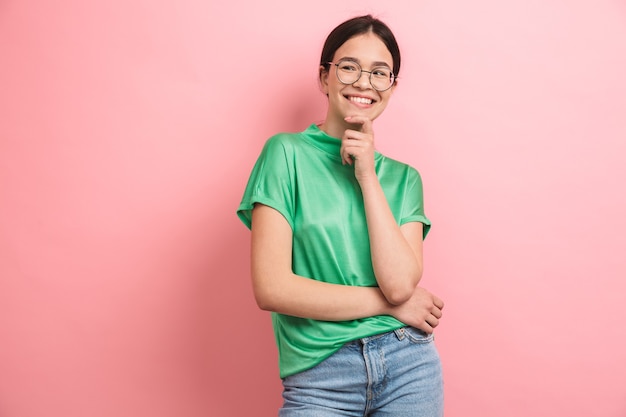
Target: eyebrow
{"type": "Point", "coordinates": [374, 64]}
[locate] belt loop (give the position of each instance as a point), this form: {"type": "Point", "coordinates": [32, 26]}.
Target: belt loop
{"type": "Point", "coordinates": [400, 333]}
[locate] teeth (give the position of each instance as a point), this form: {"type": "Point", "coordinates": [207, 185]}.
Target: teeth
{"type": "Point", "coordinates": [361, 100]}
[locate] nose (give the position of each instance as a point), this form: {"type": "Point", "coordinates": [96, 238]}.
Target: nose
{"type": "Point", "coordinates": [363, 82]}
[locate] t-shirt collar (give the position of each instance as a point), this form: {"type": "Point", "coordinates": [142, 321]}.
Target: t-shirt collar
{"type": "Point", "coordinates": [323, 141]}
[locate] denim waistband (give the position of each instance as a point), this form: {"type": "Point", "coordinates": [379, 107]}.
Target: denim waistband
{"type": "Point", "coordinates": [400, 334]}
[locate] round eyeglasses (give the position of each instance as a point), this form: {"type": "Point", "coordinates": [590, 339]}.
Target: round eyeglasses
{"type": "Point", "coordinates": [349, 72]}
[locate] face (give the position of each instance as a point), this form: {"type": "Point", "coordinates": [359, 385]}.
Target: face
{"type": "Point", "coordinates": [359, 98]}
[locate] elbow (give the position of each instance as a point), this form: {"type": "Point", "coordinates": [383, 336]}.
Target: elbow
{"type": "Point", "coordinates": [400, 294]}
{"type": "Point", "coordinates": [262, 294]}
{"type": "Point", "coordinates": [264, 301]}
{"type": "Point", "coordinates": [264, 306]}
{"type": "Point", "coordinates": [270, 289]}
{"type": "Point", "coordinates": [265, 295]}
{"type": "Point", "coordinates": [261, 302]}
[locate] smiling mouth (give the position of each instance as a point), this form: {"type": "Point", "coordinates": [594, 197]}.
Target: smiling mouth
{"type": "Point", "coordinates": [360, 100]}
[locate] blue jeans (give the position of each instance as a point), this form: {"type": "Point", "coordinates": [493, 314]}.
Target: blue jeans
{"type": "Point", "coordinates": [393, 374]}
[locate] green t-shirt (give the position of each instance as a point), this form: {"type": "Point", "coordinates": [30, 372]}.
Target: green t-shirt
{"type": "Point", "coordinates": [301, 176]}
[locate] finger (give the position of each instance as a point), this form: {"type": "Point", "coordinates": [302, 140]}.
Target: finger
{"type": "Point", "coordinates": [437, 312]}
{"type": "Point", "coordinates": [347, 157]}
{"type": "Point", "coordinates": [425, 327]}
{"type": "Point", "coordinates": [432, 321]}
{"type": "Point", "coordinates": [344, 151]}
{"type": "Point", "coordinates": [355, 135]}
{"type": "Point", "coordinates": [366, 123]}
{"type": "Point", "coordinates": [352, 147]}
{"type": "Point", "coordinates": [438, 302]}
{"type": "Point", "coordinates": [354, 144]}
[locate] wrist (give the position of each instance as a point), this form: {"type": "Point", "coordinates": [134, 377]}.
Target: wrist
{"type": "Point", "coordinates": [368, 179]}
{"type": "Point", "coordinates": [385, 307]}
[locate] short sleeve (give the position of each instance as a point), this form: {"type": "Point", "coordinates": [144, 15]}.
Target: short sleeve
{"type": "Point", "coordinates": [413, 202]}
{"type": "Point", "coordinates": [271, 182]}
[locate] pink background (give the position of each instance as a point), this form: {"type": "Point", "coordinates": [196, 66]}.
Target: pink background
{"type": "Point", "coordinates": [128, 130]}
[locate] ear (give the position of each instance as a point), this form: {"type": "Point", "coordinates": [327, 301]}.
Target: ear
{"type": "Point", "coordinates": [393, 87]}
{"type": "Point", "coordinates": [324, 79]}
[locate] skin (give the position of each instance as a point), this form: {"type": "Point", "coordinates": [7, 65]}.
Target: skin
{"type": "Point", "coordinates": [396, 251]}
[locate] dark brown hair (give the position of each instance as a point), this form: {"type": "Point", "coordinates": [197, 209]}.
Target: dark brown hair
{"type": "Point", "coordinates": [358, 26]}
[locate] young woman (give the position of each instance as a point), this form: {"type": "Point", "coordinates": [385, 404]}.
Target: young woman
{"type": "Point", "coordinates": [337, 232]}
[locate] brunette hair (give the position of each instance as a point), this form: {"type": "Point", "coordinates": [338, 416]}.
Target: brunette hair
{"type": "Point", "coordinates": [358, 26]}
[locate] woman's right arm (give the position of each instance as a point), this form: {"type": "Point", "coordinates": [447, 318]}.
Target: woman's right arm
{"type": "Point", "coordinates": [276, 288]}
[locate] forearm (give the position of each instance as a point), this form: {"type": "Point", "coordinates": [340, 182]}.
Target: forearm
{"type": "Point", "coordinates": [397, 266]}
{"type": "Point", "coordinates": [298, 296]}
{"type": "Point", "coordinates": [277, 288]}
{"type": "Point", "coordinates": [303, 297]}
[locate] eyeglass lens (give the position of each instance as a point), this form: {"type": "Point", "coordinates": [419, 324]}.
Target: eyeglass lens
{"type": "Point", "coordinates": [349, 72]}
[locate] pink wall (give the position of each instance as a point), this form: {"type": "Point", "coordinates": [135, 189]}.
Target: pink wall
{"type": "Point", "coordinates": [127, 132]}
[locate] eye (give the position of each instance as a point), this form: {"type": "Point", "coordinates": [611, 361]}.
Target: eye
{"type": "Point", "coordinates": [348, 66]}
{"type": "Point", "coordinates": [382, 73]}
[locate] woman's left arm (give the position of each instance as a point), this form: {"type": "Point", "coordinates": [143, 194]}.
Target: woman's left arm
{"type": "Point", "coordinates": [396, 250]}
